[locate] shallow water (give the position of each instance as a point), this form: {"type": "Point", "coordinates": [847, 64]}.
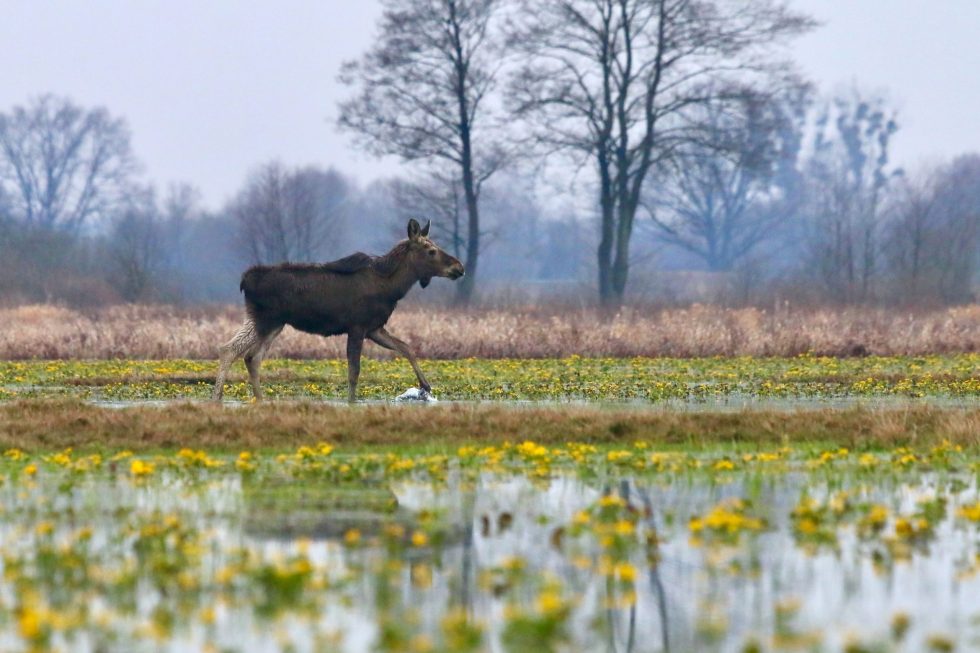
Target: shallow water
{"type": "Point", "coordinates": [192, 554]}
{"type": "Point", "coordinates": [731, 403]}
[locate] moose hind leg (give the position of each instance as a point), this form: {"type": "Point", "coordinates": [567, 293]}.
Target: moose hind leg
{"type": "Point", "coordinates": [243, 341]}
{"type": "Point", "coordinates": [253, 360]}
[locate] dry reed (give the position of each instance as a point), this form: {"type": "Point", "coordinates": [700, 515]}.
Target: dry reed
{"type": "Point", "coordinates": [160, 332]}
{"type": "Point", "coordinates": [48, 425]}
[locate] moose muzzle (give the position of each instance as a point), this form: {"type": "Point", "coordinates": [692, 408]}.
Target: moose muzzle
{"type": "Point", "coordinates": [455, 271]}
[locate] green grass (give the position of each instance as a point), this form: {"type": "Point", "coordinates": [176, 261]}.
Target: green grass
{"type": "Point", "coordinates": [593, 379]}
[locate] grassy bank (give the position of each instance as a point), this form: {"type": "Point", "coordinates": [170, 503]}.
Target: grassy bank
{"type": "Point", "coordinates": [158, 332]}
{"type": "Point", "coordinates": [56, 424]}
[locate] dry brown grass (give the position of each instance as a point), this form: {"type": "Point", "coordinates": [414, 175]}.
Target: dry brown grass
{"type": "Point", "coordinates": [159, 332]}
{"type": "Point", "coordinates": [46, 425]}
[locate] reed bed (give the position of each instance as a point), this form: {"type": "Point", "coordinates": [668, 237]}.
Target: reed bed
{"type": "Point", "coordinates": [162, 332]}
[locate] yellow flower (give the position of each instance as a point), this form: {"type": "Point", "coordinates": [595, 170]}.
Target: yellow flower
{"type": "Point", "coordinates": [626, 572]}
{"type": "Point", "coordinates": [611, 500]}
{"type": "Point", "coordinates": [970, 512]}
{"type": "Point", "coordinates": [875, 519]}
{"type": "Point", "coordinates": [619, 456]}
{"type": "Point", "coordinates": [31, 469]}
{"type": "Point", "coordinates": [29, 624]}
{"type": "Point", "coordinates": [419, 538]}
{"type": "Point", "coordinates": [624, 528]}
{"type": "Point", "coordinates": [139, 468]}
{"type": "Point", "coordinates": [352, 537]}
{"type": "Point", "coordinates": [549, 602]}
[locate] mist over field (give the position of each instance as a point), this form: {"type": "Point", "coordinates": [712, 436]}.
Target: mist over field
{"type": "Point", "coordinates": [757, 171]}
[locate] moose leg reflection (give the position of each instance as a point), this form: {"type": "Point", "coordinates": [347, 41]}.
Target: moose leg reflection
{"type": "Point", "coordinates": [388, 341]}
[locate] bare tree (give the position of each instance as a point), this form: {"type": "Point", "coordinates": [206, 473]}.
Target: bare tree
{"type": "Point", "coordinates": [729, 187]}
{"type": "Point", "coordinates": [62, 165]}
{"type": "Point", "coordinates": [606, 81]}
{"type": "Point", "coordinates": [958, 250]}
{"type": "Point", "coordinates": [137, 257]}
{"type": "Point", "coordinates": [285, 215]}
{"type": "Point", "coordinates": [6, 212]}
{"type": "Point", "coordinates": [910, 238]}
{"type": "Point", "coordinates": [847, 176]}
{"type": "Point", "coordinates": [932, 239]}
{"type": "Point", "coordinates": [422, 95]}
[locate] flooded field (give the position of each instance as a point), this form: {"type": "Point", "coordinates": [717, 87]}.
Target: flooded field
{"type": "Point", "coordinates": [954, 377]}
{"type": "Point", "coordinates": [516, 547]}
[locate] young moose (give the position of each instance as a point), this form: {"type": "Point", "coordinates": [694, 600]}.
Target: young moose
{"type": "Point", "coordinates": [355, 295]}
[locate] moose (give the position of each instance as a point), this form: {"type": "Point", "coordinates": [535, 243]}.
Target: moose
{"type": "Point", "coordinates": [354, 295]}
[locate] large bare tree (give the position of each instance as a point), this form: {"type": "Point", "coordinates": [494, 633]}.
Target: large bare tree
{"type": "Point", "coordinates": [421, 94]}
{"type": "Point", "coordinates": [62, 165]}
{"type": "Point", "coordinates": [736, 182]}
{"type": "Point", "coordinates": [606, 81]}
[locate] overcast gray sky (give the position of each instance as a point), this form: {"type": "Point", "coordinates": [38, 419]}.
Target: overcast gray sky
{"type": "Point", "coordinates": [211, 89]}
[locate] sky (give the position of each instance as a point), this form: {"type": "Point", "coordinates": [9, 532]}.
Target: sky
{"type": "Point", "coordinates": [213, 89]}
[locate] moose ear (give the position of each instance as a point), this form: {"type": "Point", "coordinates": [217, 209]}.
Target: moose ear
{"type": "Point", "coordinates": [413, 229]}
{"type": "Point", "coordinates": [425, 229]}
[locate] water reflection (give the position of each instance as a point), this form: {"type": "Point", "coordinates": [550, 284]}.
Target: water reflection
{"type": "Point", "coordinates": [672, 562]}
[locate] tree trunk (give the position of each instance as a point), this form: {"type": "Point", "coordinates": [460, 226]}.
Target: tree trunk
{"type": "Point", "coordinates": [464, 292]}
{"type": "Point", "coordinates": [606, 294]}
{"type": "Point", "coordinates": [621, 264]}
{"type": "Point", "coordinates": [608, 235]}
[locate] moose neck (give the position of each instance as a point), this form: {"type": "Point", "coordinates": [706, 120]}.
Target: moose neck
{"type": "Point", "coordinates": [399, 276]}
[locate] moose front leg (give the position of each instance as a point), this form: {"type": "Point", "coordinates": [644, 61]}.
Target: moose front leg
{"type": "Point", "coordinates": [355, 342]}
{"type": "Point", "coordinates": [389, 341]}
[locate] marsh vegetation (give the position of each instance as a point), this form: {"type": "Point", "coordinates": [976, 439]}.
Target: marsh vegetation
{"type": "Point", "coordinates": [512, 547]}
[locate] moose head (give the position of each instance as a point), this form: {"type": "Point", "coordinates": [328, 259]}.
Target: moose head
{"type": "Point", "coordinates": [428, 259]}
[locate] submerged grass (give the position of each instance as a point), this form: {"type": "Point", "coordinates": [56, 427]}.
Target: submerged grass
{"type": "Point", "coordinates": [513, 547]}
{"type": "Point", "coordinates": [44, 424]}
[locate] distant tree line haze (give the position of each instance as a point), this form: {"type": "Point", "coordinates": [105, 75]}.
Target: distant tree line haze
{"type": "Point", "coordinates": [574, 151]}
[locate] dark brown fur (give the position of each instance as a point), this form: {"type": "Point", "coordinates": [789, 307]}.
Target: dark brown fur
{"type": "Point", "coordinates": [354, 295]}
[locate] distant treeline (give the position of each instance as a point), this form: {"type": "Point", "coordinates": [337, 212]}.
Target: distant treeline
{"type": "Point", "coordinates": [590, 152]}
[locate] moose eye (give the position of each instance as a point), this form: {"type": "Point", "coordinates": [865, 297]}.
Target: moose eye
{"type": "Point", "coordinates": [432, 252]}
